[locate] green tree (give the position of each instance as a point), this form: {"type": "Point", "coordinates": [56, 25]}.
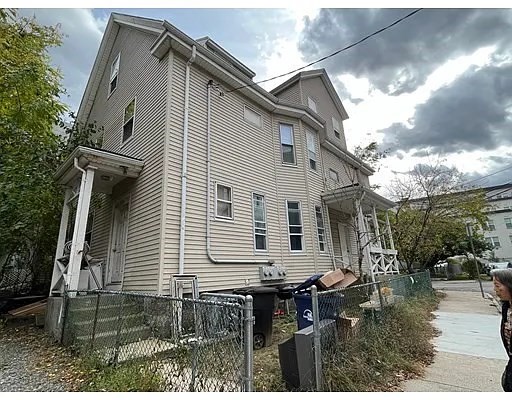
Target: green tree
{"type": "Point", "coordinates": [30, 151]}
{"type": "Point", "coordinates": [429, 222]}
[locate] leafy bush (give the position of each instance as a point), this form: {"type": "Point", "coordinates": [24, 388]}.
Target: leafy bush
{"type": "Point", "coordinates": [469, 267]}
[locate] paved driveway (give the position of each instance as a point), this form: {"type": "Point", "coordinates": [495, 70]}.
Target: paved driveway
{"type": "Point", "coordinates": [463, 286]}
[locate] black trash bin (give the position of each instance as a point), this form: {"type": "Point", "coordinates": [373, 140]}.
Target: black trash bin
{"type": "Point", "coordinates": [263, 309]}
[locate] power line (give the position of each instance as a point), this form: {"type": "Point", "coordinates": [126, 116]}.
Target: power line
{"type": "Point", "coordinates": [486, 176]}
{"type": "Point", "coordinates": [332, 54]}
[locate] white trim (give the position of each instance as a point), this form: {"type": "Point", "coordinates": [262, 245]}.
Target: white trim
{"type": "Point", "coordinates": [302, 251]}
{"type": "Point", "coordinates": [117, 60]}
{"type": "Point", "coordinates": [317, 228]}
{"type": "Point", "coordinates": [281, 145]}
{"type": "Point", "coordinates": [220, 217]}
{"type": "Point", "coordinates": [126, 197]}
{"type": "Point", "coordinates": [312, 101]}
{"type": "Point", "coordinates": [123, 142]}
{"type": "Point", "coordinates": [255, 112]}
{"type": "Point", "coordinates": [313, 135]}
{"type": "Point", "coordinates": [259, 251]}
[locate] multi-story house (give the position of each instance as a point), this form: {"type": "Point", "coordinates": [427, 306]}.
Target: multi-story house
{"type": "Point", "coordinates": [202, 172]}
{"type": "Point", "coordinates": [498, 232]}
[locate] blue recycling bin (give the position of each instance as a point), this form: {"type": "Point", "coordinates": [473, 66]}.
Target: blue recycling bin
{"type": "Point", "coordinates": [329, 307]}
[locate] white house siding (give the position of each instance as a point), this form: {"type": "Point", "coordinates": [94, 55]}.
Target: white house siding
{"type": "Point", "coordinates": [499, 209]}
{"type": "Point", "coordinates": [142, 76]}
{"type": "Point", "coordinates": [292, 94]}
{"type": "Point", "coordinates": [315, 88]}
{"type": "Point", "coordinates": [248, 158]}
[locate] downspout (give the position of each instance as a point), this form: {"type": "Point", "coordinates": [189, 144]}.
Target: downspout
{"type": "Point", "coordinates": [184, 157]}
{"type": "Point", "coordinates": [208, 178]}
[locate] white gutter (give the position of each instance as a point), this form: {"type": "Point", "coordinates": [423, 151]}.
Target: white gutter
{"type": "Point", "coordinates": [184, 158]}
{"type": "Point", "coordinates": [208, 178]}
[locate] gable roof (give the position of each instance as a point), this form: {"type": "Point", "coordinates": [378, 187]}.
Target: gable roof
{"type": "Point", "coordinates": [315, 73]}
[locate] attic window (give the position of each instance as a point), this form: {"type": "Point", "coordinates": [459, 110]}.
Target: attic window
{"type": "Point", "coordinates": [114, 71]}
{"type": "Point", "coordinates": [336, 127]}
{"type": "Point", "coordinates": [312, 104]}
{"type": "Point", "coordinates": [252, 117]}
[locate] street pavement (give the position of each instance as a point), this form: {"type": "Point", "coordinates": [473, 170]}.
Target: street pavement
{"type": "Point", "coordinates": [465, 286]}
{"type": "Point", "coordinates": [470, 356]}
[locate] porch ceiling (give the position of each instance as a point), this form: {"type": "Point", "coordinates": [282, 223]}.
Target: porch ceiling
{"type": "Point", "coordinates": [343, 199]}
{"type": "Point", "coordinates": [110, 168]}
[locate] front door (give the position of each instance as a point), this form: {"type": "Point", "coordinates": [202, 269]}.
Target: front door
{"type": "Point", "coordinates": [344, 236]}
{"type": "Point", "coordinates": [118, 242]}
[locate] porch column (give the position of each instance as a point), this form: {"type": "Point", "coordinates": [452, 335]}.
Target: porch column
{"type": "Point", "coordinates": [77, 246]}
{"type": "Point", "coordinates": [364, 237]}
{"type": "Point", "coordinates": [388, 227]}
{"type": "Point", "coordinates": [58, 267]}
{"type": "Point", "coordinates": [382, 261]}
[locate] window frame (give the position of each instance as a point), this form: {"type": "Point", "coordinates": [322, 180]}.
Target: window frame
{"type": "Point", "coordinates": [312, 135]}
{"type": "Point", "coordinates": [265, 250]}
{"type": "Point", "coordinates": [302, 244]}
{"type": "Point", "coordinates": [114, 76]}
{"type": "Point", "coordinates": [231, 202]}
{"type": "Point", "coordinates": [294, 163]}
{"type": "Point", "coordinates": [337, 132]}
{"type": "Point", "coordinates": [312, 101]}
{"type": "Point", "coordinates": [508, 224]}
{"type": "Point", "coordinates": [337, 176]}
{"type": "Point", "coordinates": [319, 211]}
{"type": "Point", "coordinates": [260, 125]}
{"type": "Point", "coordinates": [124, 141]}
{"type": "Point", "coordinates": [493, 242]}
{"type": "Point", "coordinates": [490, 225]}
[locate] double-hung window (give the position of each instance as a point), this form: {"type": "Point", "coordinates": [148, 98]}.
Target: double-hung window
{"type": "Point", "coordinates": [259, 222]}
{"type": "Point", "coordinates": [295, 230]}
{"type": "Point", "coordinates": [490, 225]}
{"type": "Point", "coordinates": [333, 175]}
{"type": "Point", "coordinates": [129, 115]}
{"type": "Point", "coordinates": [114, 72]}
{"type": "Point", "coordinates": [224, 202]}
{"type": "Point", "coordinates": [493, 241]}
{"type": "Point", "coordinates": [320, 228]}
{"type": "Point", "coordinates": [310, 138]}
{"type": "Point", "coordinates": [287, 146]}
{"type": "Point", "coordinates": [508, 223]}
{"type": "Point", "coordinates": [336, 128]}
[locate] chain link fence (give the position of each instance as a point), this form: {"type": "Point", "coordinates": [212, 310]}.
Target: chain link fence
{"type": "Point", "coordinates": [343, 315]}
{"type": "Point", "coordinates": [180, 344]}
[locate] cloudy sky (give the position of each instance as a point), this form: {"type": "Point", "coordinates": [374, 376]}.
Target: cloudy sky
{"type": "Point", "coordinates": [436, 86]}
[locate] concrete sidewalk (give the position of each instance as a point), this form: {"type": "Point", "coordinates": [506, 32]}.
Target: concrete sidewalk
{"type": "Point", "coordinates": [470, 356]}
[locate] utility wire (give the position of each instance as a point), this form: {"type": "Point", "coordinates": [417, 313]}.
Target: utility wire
{"type": "Point", "coordinates": [332, 54]}
{"type": "Point", "coordinates": [486, 176]}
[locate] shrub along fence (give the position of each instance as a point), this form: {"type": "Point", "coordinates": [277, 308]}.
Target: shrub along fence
{"type": "Point", "coordinates": [182, 344]}
{"type": "Point", "coordinates": [343, 316]}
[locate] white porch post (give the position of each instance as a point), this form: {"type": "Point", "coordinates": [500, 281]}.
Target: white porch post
{"type": "Point", "coordinates": [388, 226]}
{"type": "Point", "coordinates": [82, 212]}
{"type": "Point", "coordinates": [364, 237]}
{"type": "Point", "coordinates": [382, 261]}
{"type": "Point", "coordinates": [58, 268]}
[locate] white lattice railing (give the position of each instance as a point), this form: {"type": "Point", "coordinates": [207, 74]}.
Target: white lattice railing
{"type": "Point", "coordinates": [383, 261]}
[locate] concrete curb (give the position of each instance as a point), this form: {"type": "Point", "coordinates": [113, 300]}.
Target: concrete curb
{"type": "Point", "coordinates": [494, 301]}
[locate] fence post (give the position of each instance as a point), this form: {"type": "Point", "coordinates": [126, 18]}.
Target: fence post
{"type": "Point", "coordinates": [316, 338]}
{"type": "Point", "coordinates": [95, 322]}
{"type": "Point", "coordinates": [118, 334]}
{"type": "Point", "coordinates": [381, 300]}
{"type": "Point", "coordinates": [64, 319]}
{"type": "Point", "coordinates": [248, 343]}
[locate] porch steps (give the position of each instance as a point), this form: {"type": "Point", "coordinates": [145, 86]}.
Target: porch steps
{"type": "Point", "coordinates": [110, 338]}
{"type": "Point", "coordinates": [115, 321]}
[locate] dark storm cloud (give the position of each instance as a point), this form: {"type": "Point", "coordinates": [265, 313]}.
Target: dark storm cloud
{"type": "Point", "coordinates": [400, 59]}
{"type": "Point", "coordinates": [473, 113]}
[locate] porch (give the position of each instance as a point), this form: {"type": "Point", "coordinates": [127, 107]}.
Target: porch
{"type": "Point", "coordinates": [360, 225]}
{"type": "Point", "coordinates": [85, 172]}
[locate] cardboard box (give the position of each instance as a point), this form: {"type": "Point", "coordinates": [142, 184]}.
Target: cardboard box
{"type": "Point", "coordinates": [348, 279]}
{"type": "Point", "coordinates": [331, 278]}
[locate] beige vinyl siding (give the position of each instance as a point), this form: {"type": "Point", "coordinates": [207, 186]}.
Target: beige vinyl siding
{"type": "Point", "coordinates": [315, 88]}
{"type": "Point", "coordinates": [101, 228]}
{"type": "Point", "coordinates": [346, 173]}
{"type": "Point", "coordinates": [143, 77]}
{"type": "Point", "coordinates": [241, 157]}
{"type": "Point", "coordinates": [291, 94]}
